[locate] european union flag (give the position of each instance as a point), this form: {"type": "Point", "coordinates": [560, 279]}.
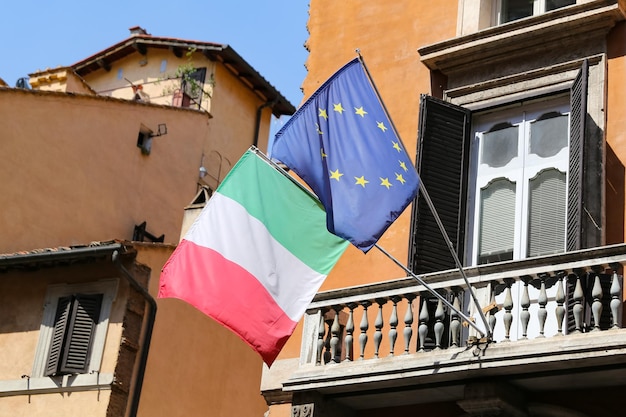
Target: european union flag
{"type": "Point", "coordinates": [343, 145]}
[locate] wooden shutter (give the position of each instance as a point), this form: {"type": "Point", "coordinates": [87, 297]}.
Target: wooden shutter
{"type": "Point", "coordinates": [61, 319]}
{"type": "Point", "coordinates": [442, 162]}
{"type": "Point", "coordinates": [585, 183]}
{"type": "Point", "coordinates": [75, 323]}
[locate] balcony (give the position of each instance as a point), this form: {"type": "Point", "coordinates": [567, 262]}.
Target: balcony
{"type": "Point", "coordinates": [555, 324]}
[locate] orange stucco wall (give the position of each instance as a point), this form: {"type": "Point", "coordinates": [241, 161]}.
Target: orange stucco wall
{"type": "Point", "coordinates": [616, 135]}
{"type": "Point", "coordinates": [22, 295]}
{"type": "Point", "coordinates": [388, 36]}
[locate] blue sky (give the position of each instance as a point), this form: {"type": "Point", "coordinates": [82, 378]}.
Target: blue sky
{"type": "Point", "coordinates": [45, 34]}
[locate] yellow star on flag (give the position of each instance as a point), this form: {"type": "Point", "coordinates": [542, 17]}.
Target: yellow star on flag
{"type": "Point", "coordinates": [360, 111]}
{"type": "Point", "coordinates": [338, 108]}
{"type": "Point", "coordinates": [322, 153]}
{"type": "Point", "coordinates": [397, 147]}
{"type": "Point", "coordinates": [400, 178]}
{"type": "Point", "coordinates": [323, 114]}
{"type": "Point", "coordinates": [361, 181]}
{"type": "Point", "coordinates": [403, 166]}
{"type": "Point", "coordinates": [381, 126]}
{"type": "Point", "coordinates": [319, 132]}
{"type": "Point", "coordinates": [385, 182]}
{"type": "Point", "coordinates": [335, 175]}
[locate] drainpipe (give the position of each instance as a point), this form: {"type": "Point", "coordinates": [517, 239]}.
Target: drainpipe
{"type": "Point", "coordinates": [145, 343]}
{"type": "Point", "coordinates": [259, 112]}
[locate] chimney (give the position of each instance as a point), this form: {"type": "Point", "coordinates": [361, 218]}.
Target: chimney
{"type": "Point", "coordinates": [138, 30]}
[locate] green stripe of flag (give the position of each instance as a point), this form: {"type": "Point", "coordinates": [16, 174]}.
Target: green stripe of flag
{"type": "Point", "coordinates": [292, 216]}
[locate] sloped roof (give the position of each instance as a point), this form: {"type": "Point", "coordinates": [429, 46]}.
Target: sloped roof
{"type": "Point", "coordinates": [222, 53]}
{"type": "Point", "coordinates": [63, 255]}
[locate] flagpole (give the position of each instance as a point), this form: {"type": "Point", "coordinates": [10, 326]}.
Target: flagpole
{"type": "Point", "coordinates": [432, 209]}
{"type": "Point", "coordinates": [431, 290]}
{"type": "Point", "coordinates": [424, 284]}
{"type": "Point", "coordinates": [282, 171]}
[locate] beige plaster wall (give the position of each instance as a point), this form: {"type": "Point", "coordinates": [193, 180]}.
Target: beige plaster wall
{"type": "Point", "coordinates": [85, 403]}
{"type": "Point", "coordinates": [73, 173]}
{"type": "Point", "coordinates": [22, 295]}
{"type": "Point", "coordinates": [145, 70]}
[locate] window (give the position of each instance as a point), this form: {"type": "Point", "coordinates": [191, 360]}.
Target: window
{"type": "Point", "coordinates": [74, 325]}
{"type": "Point", "coordinates": [73, 329]}
{"type": "Point", "coordinates": [521, 170]}
{"type": "Point", "coordinates": [518, 183]}
{"type": "Point", "coordinates": [510, 10]}
{"type": "Point", "coordinates": [144, 140]}
{"type": "Point", "coordinates": [192, 85]}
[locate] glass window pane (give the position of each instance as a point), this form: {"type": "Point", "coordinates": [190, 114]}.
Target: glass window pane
{"type": "Point", "coordinates": [516, 9]}
{"type": "Point", "coordinates": [499, 145]}
{"type": "Point", "coordinates": [556, 4]}
{"type": "Point", "coordinates": [547, 205]}
{"type": "Point", "coordinates": [497, 221]}
{"type": "Point", "coordinates": [548, 134]}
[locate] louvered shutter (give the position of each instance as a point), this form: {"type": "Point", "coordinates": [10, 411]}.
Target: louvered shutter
{"type": "Point", "coordinates": [61, 320]}
{"type": "Point", "coordinates": [83, 322]}
{"type": "Point", "coordinates": [585, 183]}
{"type": "Point", "coordinates": [442, 162]}
{"type": "Point", "coordinates": [578, 97]}
{"type": "Point", "coordinates": [75, 322]}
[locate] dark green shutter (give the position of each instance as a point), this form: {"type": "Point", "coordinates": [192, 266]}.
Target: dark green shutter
{"type": "Point", "coordinates": [442, 163]}
{"type": "Point", "coordinates": [578, 98]}
{"type": "Point", "coordinates": [585, 185]}
{"type": "Point", "coordinates": [75, 324]}
{"type": "Point", "coordinates": [61, 319]}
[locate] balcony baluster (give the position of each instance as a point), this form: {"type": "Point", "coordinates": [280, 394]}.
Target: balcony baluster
{"type": "Point", "coordinates": [321, 331]}
{"type": "Point", "coordinates": [560, 299]}
{"type": "Point", "coordinates": [393, 323]}
{"type": "Point", "coordinates": [364, 326]}
{"type": "Point", "coordinates": [455, 321]}
{"type": "Point", "coordinates": [616, 292]}
{"type": "Point", "coordinates": [542, 300]}
{"type": "Point", "coordinates": [596, 306]}
{"type": "Point", "coordinates": [525, 303]}
{"type": "Point", "coordinates": [422, 330]}
{"type": "Point", "coordinates": [577, 310]}
{"type": "Point", "coordinates": [508, 307]}
{"type": "Point", "coordinates": [378, 324]}
{"type": "Point", "coordinates": [408, 323]}
{"type": "Point", "coordinates": [440, 315]}
{"type": "Point", "coordinates": [335, 353]}
{"type": "Point", "coordinates": [349, 332]}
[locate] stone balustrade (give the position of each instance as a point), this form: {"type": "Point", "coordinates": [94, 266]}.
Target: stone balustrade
{"type": "Point", "coordinates": [552, 296]}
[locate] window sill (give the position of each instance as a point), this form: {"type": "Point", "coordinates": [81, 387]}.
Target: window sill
{"type": "Point", "coordinates": [47, 385]}
{"type": "Point", "coordinates": [562, 28]}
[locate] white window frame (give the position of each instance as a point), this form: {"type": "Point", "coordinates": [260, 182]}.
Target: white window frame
{"type": "Point", "coordinates": [539, 7]}
{"type": "Point", "coordinates": [108, 288]}
{"type": "Point", "coordinates": [481, 176]}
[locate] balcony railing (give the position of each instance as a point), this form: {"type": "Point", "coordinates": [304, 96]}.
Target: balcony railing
{"type": "Point", "coordinates": [546, 297]}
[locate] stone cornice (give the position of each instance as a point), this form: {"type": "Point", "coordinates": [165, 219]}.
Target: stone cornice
{"type": "Point", "coordinates": [558, 28]}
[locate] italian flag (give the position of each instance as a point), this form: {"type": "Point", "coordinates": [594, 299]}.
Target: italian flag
{"type": "Point", "coordinates": [255, 256]}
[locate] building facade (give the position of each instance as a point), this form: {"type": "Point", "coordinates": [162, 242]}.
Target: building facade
{"type": "Point", "coordinates": [99, 151]}
{"type": "Point", "coordinates": [515, 113]}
